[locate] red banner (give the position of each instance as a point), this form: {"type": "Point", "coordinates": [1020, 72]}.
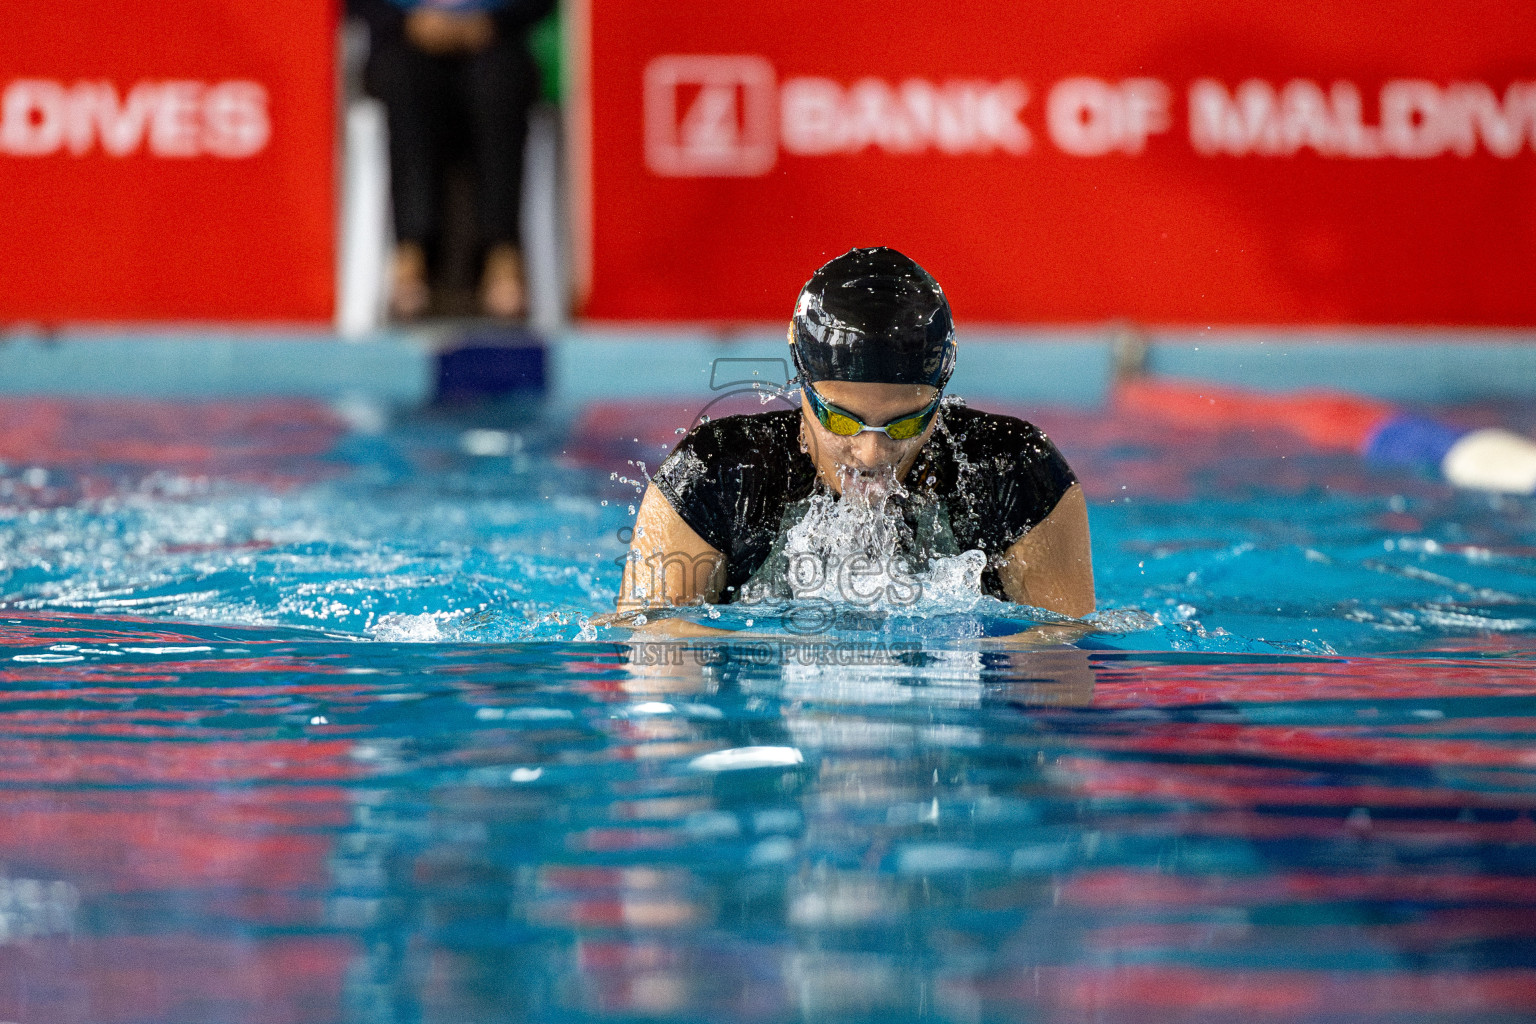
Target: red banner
{"type": "Point", "coordinates": [167, 160]}
{"type": "Point", "coordinates": [1175, 161]}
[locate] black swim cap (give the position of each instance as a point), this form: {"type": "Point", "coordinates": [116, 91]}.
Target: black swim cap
{"type": "Point", "coordinates": [873, 315]}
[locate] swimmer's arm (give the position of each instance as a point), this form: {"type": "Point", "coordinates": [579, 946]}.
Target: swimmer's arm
{"type": "Point", "coordinates": [668, 565]}
{"type": "Point", "coordinates": [1051, 566]}
{"type": "Point", "coordinates": [676, 629]}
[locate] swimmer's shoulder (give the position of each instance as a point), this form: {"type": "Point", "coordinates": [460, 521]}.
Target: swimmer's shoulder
{"type": "Point", "coordinates": [723, 466]}
{"type": "Point", "coordinates": [990, 434]}
{"type": "Point", "coordinates": [751, 434]}
{"type": "Point", "coordinates": [1022, 476]}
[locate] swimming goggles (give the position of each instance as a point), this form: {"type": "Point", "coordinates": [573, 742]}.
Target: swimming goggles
{"type": "Point", "coordinates": [846, 424]}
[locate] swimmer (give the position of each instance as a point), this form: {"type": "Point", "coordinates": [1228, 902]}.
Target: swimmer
{"type": "Point", "coordinates": [873, 344]}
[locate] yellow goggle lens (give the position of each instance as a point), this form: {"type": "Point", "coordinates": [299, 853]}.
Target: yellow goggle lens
{"type": "Point", "coordinates": [904, 430]}
{"type": "Point", "coordinates": [841, 425]}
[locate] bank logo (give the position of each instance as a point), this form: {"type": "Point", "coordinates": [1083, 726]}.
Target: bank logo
{"type": "Point", "coordinates": [710, 116]}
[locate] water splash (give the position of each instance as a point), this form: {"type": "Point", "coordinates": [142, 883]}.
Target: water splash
{"type": "Point", "coordinates": [278, 518]}
{"type": "Point", "coordinates": [861, 549]}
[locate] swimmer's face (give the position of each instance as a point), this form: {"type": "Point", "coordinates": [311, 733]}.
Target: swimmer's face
{"type": "Point", "coordinates": [870, 455]}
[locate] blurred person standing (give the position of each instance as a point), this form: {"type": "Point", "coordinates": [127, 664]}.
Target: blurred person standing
{"type": "Point", "coordinates": [446, 70]}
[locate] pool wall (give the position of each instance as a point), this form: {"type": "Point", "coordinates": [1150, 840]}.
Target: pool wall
{"type": "Point", "coordinates": [1071, 366]}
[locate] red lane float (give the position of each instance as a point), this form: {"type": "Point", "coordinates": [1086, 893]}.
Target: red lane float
{"type": "Point", "coordinates": [1326, 419]}
{"type": "Point", "coordinates": [1492, 460]}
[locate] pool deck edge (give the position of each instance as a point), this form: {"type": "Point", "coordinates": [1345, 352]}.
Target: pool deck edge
{"type": "Point", "coordinates": [1071, 366]}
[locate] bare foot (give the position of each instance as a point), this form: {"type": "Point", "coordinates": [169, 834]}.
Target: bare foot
{"type": "Point", "coordinates": [502, 293]}
{"type": "Point", "coordinates": [441, 32]}
{"type": "Point", "coordinates": [409, 294]}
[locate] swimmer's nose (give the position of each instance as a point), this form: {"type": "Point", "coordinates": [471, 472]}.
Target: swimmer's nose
{"type": "Point", "coordinates": [874, 451]}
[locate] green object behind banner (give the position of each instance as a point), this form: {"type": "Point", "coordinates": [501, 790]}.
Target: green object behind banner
{"type": "Point", "coordinates": [546, 41]}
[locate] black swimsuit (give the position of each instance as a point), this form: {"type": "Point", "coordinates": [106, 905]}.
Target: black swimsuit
{"type": "Point", "coordinates": [741, 481]}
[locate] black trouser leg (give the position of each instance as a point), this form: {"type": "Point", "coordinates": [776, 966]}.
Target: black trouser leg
{"type": "Point", "coordinates": [416, 90]}
{"type": "Point", "coordinates": [500, 83]}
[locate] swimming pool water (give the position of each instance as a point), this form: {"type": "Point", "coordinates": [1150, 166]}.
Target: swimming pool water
{"type": "Point", "coordinates": [295, 728]}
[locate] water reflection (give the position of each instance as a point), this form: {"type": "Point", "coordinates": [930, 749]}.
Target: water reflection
{"type": "Point", "coordinates": [237, 824]}
{"type": "Point", "coordinates": [698, 835]}
{"type": "Point", "coordinates": [962, 837]}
